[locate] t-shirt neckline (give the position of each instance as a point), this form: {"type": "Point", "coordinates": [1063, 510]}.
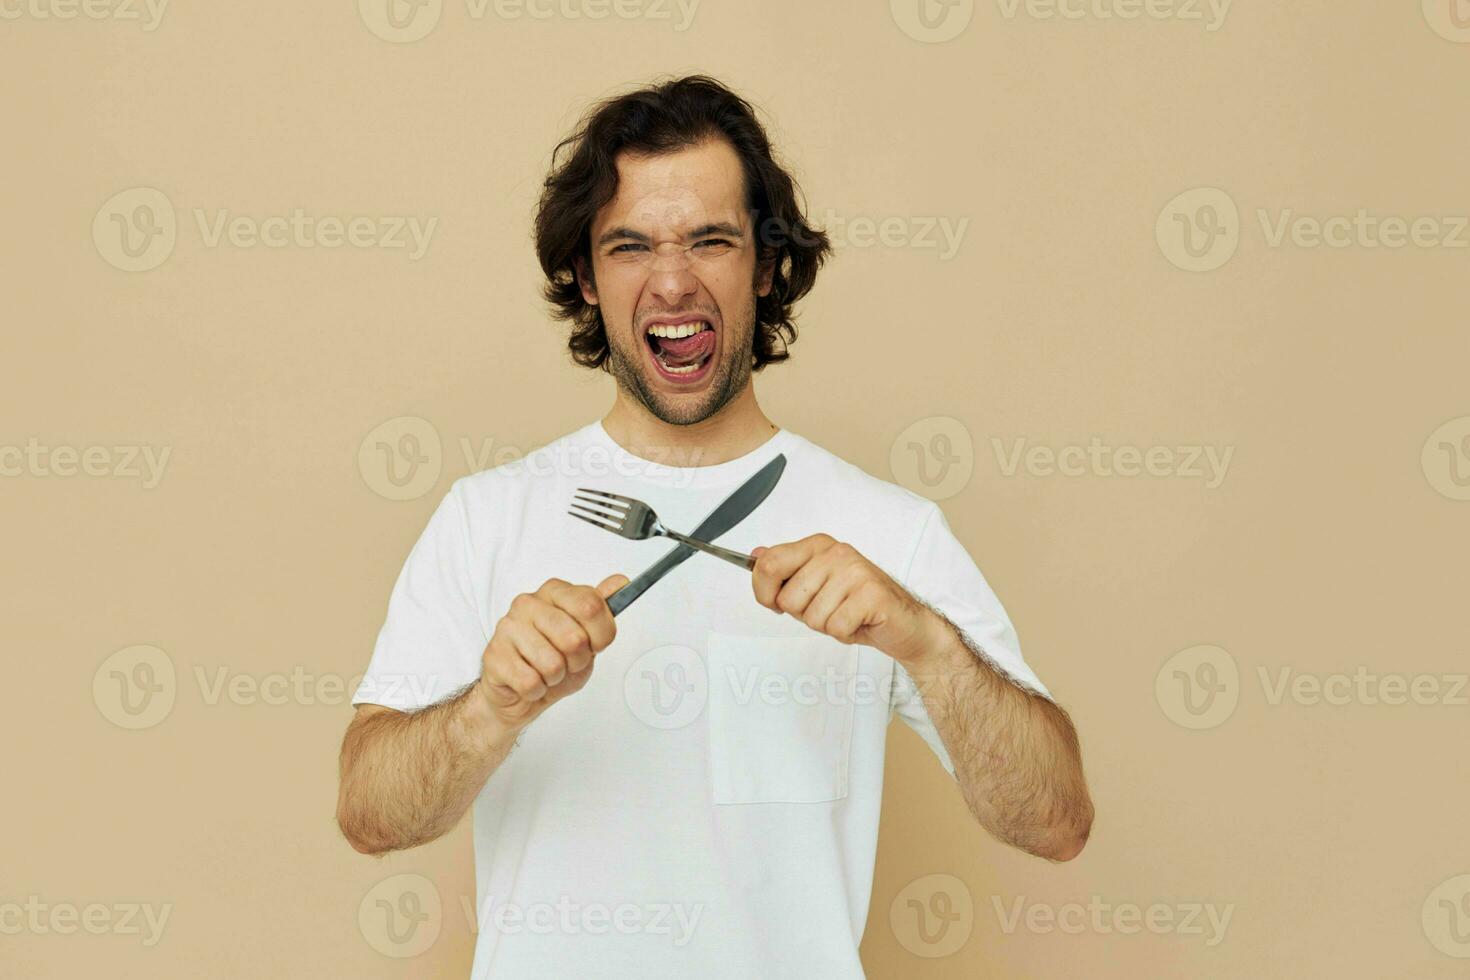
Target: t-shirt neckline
{"type": "Point", "coordinates": [636, 468]}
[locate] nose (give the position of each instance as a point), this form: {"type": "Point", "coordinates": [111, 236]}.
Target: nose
{"type": "Point", "coordinates": [672, 282]}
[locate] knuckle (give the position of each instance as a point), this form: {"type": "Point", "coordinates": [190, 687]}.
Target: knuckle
{"type": "Point", "coordinates": [587, 603]}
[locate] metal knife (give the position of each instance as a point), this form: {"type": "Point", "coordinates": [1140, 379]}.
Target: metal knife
{"type": "Point", "coordinates": [735, 509]}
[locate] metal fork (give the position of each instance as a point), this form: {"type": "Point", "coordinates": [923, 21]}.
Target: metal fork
{"type": "Point", "coordinates": [636, 520]}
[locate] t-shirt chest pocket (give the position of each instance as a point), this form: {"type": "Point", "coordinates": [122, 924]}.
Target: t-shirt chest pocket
{"type": "Point", "coordinates": [780, 717]}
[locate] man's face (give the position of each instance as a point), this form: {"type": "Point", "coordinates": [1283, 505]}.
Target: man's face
{"type": "Point", "coordinates": [674, 275]}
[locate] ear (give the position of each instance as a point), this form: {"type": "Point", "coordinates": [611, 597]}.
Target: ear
{"type": "Point", "coordinates": [764, 272]}
{"type": "Point", "coordinates": [585, 280]}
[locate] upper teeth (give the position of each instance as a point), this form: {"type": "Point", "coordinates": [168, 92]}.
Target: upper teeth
{"type": "Point", "coordinates": [674, 332]}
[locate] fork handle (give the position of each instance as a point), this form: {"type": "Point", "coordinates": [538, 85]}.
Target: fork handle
{"type": "Point", "coordinates": [733, 557]}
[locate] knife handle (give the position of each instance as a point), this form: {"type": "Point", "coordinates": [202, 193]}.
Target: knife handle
{"type": "Point", "coordinates": [624, 597]}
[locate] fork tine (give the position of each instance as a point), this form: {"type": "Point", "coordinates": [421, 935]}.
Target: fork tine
{"type": "Point", "coordinates": [613, 496]}
{"type": "Point", "coordinates": [590, 507]}
{"type": "Point", "coordinates": [614, 519]}
{"type": "Point", "coordinates": [608, 504]}
{"type": "Point", "coordinates": [589, 520]}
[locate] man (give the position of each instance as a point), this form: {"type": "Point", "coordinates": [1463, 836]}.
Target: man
{"type": "Point", "coordinates": [705, 803]}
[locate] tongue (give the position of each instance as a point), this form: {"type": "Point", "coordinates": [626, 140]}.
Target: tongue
{"type": "Point", "coordinates": [686, 350]}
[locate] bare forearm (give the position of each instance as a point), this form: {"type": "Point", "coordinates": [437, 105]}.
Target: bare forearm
{"type": "Point", "coordinates": [1015, 752]}
{"type": "Point", "coordinates": [407, 778]}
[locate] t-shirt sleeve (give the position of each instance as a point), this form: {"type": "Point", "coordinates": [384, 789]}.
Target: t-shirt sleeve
{"type": "Point", "coordinates": [432, 639]}
{"type": "Point", "coordinates": [943, 574]}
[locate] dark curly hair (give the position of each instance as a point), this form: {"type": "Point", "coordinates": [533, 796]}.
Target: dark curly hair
{"type": "Point", "coordinates": [665, 118]}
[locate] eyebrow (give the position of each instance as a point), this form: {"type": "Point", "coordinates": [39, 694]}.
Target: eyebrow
{"type": "Point", "coordinates": [717, 227]}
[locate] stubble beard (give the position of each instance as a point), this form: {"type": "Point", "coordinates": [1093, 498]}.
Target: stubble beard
{"type": "Point", "coordinates": [631, 369]}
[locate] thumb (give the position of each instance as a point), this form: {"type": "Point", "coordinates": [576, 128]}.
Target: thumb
{"type": "Point", "coordinates": [611, 584]}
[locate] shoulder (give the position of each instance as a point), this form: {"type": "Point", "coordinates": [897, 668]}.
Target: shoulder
{"type": "Point", "coordinates": [517, 477]}
{"type": "Point", "coordinates": [860, 488]}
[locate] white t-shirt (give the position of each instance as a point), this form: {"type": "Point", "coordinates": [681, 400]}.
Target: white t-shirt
{"type": "Point", "coordinates": [707, 806]}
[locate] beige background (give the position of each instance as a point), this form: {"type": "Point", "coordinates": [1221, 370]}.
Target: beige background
{"type": "Point", "coordinates": [1332, 834]}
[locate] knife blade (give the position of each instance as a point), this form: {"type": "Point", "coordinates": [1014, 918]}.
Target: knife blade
{"type": "Point", "coordinates": [736, 507]}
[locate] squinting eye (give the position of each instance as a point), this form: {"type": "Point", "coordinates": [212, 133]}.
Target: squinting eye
{"type": "Point", "coordinates": [620, 248]}
{"type": "Point", "coordinates": [710, 244]}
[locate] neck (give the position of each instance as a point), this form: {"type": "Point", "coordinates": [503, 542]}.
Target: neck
{"type": "Point", "coordinates": [736, 429]}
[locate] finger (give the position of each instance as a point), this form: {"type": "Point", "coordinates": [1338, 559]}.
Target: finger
{"type": "Point", "coordinates": [611, 584]}
{"type": "Point", "coordinates": [569, 636]}
{"type": "Point", "coordinates": [509, 672]}
{"type": "Point", "coordinates": [833, 593]}
{"type": "Point", "coordinates": [572, 683]}
{"type": "Point", "coordinates": [588, 606]}
{"type": "Point", "coordinates": [802, 587]}
{"type": "Point", "coordinates": [776, 564]}
{"type": "Point", "coordinates": [537, 651]}
{"type": "Point", "coordinates": [849, 617]}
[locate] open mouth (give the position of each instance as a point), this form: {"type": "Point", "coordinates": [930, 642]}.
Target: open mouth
{"type": "Point", "coordinates": [682, 352]}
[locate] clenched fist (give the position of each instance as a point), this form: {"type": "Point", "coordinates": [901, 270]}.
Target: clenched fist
{"type": "Point", "coordinates": [543, 648]}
